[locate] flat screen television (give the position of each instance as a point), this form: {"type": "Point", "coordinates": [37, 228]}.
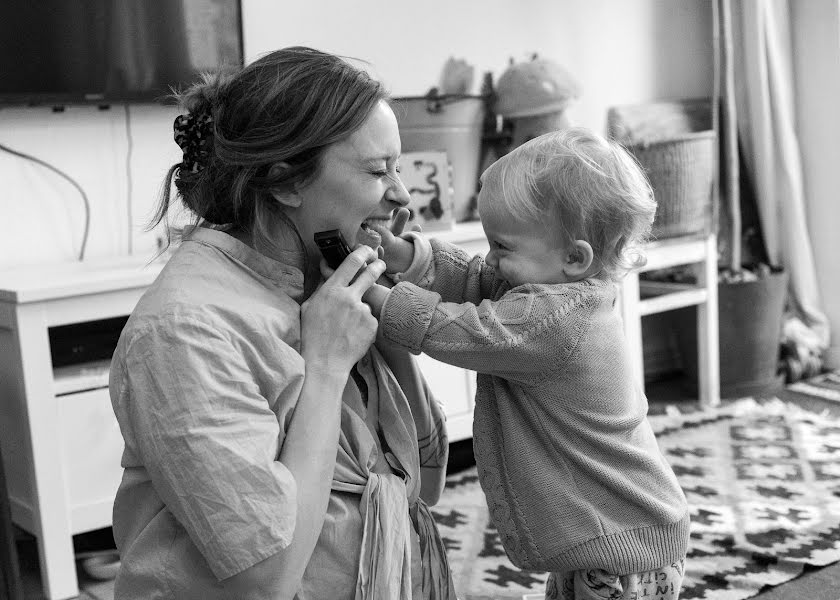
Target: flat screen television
{"type": "Point", "coordinates": [103, 51]}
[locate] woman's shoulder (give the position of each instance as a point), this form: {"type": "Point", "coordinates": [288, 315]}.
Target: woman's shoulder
{"type": "Point", "coordinates": [225, 298]}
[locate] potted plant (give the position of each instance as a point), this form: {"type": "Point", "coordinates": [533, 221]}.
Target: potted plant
{"type": "Point", "coordinates": [751, 293]}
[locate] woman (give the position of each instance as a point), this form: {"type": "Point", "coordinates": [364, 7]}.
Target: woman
{"type": "Point", "coordinates": [271, 450]}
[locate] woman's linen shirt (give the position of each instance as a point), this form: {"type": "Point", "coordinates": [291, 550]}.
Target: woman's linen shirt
{"type": "Point", "coordinates": [204, 383]}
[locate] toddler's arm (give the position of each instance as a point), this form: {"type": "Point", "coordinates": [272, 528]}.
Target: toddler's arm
{"type": "Point", "coordinates": [522, 333]}
{"type": "Point", "coordinates": [446, 269]}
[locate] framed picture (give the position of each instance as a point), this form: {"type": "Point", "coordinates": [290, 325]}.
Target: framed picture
{"type": "Point", "coordinates": [427, 177]}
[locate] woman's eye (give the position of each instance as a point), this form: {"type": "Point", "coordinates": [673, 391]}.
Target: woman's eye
{"type": "Point", "coordinates": [385, 172]}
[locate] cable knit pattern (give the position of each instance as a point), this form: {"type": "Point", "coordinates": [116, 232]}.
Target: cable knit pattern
{"type": "Point", "coordinates": [410, 322]}
{"type": "Point", "coordinates": [571, 469]}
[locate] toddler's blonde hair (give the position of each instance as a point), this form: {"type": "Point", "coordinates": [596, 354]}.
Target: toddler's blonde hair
{"type": "Point", "coordinates": [592, 187]}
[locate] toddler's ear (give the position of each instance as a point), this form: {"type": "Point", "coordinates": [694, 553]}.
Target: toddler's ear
{"type": "Point", "coordinates": [578, 260]}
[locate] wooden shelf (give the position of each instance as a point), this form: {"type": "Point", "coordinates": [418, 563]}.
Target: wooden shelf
{"type": "Point", "coordinates": [666, 302]}
{"type": "Point", "coordinates": [80, 378]}
{"type": "Point", "coordinates": [640, 298]}
{"type": "Point", "coordinates": [467, 231]}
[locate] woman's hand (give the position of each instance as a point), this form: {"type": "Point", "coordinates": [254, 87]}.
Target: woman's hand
{"type": "Point", "coordinates": [337, 328]}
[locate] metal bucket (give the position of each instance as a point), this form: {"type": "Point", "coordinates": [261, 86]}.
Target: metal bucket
{"type": "Point", "coordinates": [451, 123]}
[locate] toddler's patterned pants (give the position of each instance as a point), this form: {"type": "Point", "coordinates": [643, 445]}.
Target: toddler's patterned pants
{"type": "Point", "coordinates": [594, 584]}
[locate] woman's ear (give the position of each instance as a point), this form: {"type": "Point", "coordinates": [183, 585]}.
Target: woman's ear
{"type": "Point", "coordinates": [285, 197]}
{"type": "Point", "coordinates": [578, 259]}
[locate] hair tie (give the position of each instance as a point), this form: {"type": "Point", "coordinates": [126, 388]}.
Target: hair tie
{"type": "Point", "coordinates": [194, 134]}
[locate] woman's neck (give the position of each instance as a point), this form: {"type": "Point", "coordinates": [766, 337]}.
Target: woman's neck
{"type": "Point", "coordinates": [284, 245]}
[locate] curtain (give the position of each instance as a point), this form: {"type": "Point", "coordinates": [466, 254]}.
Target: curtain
{"type": "Point", "coordinates": [764, 93]}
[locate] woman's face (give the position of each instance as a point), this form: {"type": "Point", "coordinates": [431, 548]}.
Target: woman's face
{"type": "Point", "coordinates": [357, 184]}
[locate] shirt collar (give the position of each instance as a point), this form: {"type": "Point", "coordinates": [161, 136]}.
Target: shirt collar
{"type": "Point", "coordinates": [286, 273]}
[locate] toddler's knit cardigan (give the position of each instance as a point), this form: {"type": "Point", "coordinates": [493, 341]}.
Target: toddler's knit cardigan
{"type": "Point", "coordinates": [573, 476]}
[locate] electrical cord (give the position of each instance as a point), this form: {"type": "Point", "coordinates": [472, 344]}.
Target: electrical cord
{"type": "Point", "coordinates": [129, 183]}
{"type": "Point", "coordinates": [72, 181]}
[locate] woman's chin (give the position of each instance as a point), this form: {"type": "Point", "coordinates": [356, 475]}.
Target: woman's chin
{"type": "Point", "coordinates": [369, 237]}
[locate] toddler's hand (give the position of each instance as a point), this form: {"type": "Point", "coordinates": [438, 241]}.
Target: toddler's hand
{"type": "Point", "coordinates": [375, 297]}
{"type": "Point", "coordinates": [398, 252]}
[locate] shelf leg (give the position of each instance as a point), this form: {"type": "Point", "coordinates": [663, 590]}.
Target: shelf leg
{"type": "Point", "coordinates": [631, 316]}
{"type": "Point", "coordinates": [51, 517]}
{"type": "Point", "coordinates": [708, 348]}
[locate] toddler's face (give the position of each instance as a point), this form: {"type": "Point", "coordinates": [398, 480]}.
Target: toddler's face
{"type": "Point", "coordinates": [521, 251]}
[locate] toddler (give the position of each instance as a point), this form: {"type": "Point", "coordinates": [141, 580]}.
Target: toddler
{"type": "Point", "coordinates": [574, 479]}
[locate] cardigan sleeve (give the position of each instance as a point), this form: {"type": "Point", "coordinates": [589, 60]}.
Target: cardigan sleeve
{"type": "Point", "coordinates": [450, 271]}
{"type": "Point", "coordinates": [529, 330]}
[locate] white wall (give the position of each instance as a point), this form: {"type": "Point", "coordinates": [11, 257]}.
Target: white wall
{"type": "Point", "coordinates": [816, 46]}
{"type": "Point", "coordinates": [42, 214]}
{"type": "Point", "coordinates": [622, 51]}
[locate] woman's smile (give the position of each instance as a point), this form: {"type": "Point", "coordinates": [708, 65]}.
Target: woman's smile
{"type": "Point", "coordinates": [368, 234]}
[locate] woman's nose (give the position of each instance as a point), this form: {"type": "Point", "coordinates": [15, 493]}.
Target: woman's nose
{"type": "Point", "coordinates": [398, 194]}
{"type": "Point", "coordinates": [491, 259]}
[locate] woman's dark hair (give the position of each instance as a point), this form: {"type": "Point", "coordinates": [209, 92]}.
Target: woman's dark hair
{"type": "Point", "coordinates": [287, 106]}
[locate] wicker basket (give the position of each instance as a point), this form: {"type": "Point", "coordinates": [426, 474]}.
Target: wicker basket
{"type": "Point", "coordinates": [681, 172]}
{"type": "Point", "coordinates": [663, 120]}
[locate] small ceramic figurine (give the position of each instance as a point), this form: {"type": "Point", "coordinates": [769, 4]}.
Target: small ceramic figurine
{"type": "Point", "coordinates": [534, 95]}
{"type": "Point", "coordinates": [456, 77]}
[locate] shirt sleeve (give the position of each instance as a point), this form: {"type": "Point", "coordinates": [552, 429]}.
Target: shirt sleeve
{"type": "Point", "coordinates": [527, 331]}
{"type": "Point", "coordinates": [209, 438]}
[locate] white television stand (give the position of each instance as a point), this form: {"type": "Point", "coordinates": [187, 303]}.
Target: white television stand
{"type": "Point", "coordinates": [61, 444]}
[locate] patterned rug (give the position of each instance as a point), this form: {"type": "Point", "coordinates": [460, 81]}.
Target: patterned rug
{"type": "Point", "coordinates": [826, 387]}
{"type": "Point", "coordinates": [763, 482]}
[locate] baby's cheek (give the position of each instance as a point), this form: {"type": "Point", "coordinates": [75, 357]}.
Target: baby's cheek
{"type": "Point", "coordinates": [506, 270]}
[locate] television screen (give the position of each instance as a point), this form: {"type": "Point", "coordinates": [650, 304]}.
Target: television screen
{"type": "Point", "coordinates": [100, 51]}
